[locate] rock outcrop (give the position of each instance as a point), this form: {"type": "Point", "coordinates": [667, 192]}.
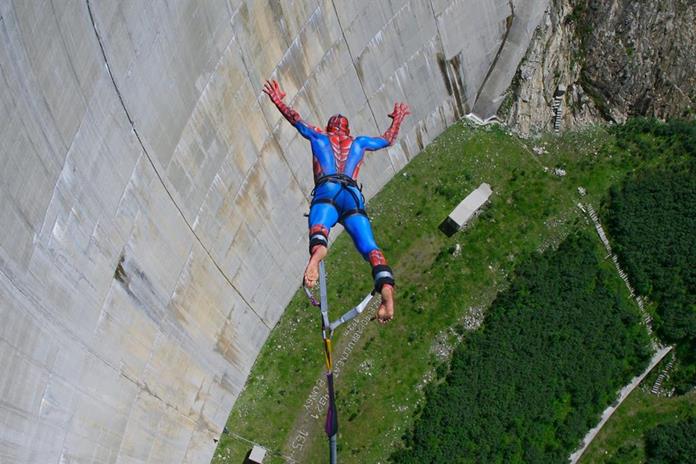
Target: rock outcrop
{"type": "Point", "coordinates": [615, 59]}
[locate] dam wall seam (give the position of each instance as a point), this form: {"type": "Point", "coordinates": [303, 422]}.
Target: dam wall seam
{"type": "Point", "coordinates": [154, 168]}
{"type": "Point", "coordinates": [508, 26]}
{"type": "Point", "coordinates": [352, 61]}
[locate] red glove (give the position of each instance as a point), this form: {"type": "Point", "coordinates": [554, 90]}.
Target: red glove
{"type": "Point", "coordinates": [276, 94]}
{"type": "Point", "coordinates": [273, 90]}
{"type": "Point", "coordinates": [401, 110]}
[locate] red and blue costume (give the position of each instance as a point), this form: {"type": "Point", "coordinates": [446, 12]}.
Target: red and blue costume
{"type": "Point", "coordinates": [336, 160]}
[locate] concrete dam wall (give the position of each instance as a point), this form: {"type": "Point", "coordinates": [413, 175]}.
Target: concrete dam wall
{"type": "Point", "coordinates": [152, 198]}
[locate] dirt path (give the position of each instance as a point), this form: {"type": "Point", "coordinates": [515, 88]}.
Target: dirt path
{"type": "Point", "coordinates": [660, 353]}
{"type": "Point", "coordinates": [623, 394]}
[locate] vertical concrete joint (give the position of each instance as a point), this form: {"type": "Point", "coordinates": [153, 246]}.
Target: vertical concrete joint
{"type": "Point", "coordinates": [154, 167]}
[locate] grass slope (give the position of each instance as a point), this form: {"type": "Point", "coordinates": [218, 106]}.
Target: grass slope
{"type": "Point", "coordinates": [381, 385]}
{"type": "Point", "coordinates": [552, 352]}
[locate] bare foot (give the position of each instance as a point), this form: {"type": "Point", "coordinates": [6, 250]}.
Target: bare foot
{"type": "Point", "coordinates": [385, 313]}
{"type": "Point", "coordinates": [311, 273]}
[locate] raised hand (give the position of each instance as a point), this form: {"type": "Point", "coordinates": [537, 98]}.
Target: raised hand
{"type": "Point", "coordinates": [400, 111]}
{"type": "Point", "coordinates": [276, 94]}
{"type": "Point", "coordinates": [273, 90]}
{"type": "Point", "coordinates": [398, 115]}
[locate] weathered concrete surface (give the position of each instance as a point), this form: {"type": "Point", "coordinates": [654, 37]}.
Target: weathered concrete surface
{"type": "Point", "coordinates": [522, 23]}
{"type": "Point", "coordinates": [151, 198]}
{"type": "Point", "coordinates": [467, 208]}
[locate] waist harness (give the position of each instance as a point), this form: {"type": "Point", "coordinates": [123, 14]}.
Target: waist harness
{"type": "Point", "coordinates": [345, 182]}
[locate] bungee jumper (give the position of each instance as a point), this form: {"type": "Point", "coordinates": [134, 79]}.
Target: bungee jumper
{"type": "Point", "coordinates": [336, 197]}
{"type": "Point", "coordinates": [336, 159]}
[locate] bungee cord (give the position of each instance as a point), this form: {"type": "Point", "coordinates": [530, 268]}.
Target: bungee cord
{"type": "Point", "coordinates": [327, 331]}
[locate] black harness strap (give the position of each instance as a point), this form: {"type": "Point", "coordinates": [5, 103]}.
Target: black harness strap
{"type": "Point", "coordinates": [344, 181]}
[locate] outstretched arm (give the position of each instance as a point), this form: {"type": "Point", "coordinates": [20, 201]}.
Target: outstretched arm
{"type": "Point", "coordinates": [387, 139]}
{"type": "Point", "coordinates": [276, 94]}
{"type": "Point", "coordinates": [401, 110]}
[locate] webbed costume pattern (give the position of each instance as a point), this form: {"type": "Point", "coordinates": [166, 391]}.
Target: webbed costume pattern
{"type": "Point", "coordinates": [336, 161]}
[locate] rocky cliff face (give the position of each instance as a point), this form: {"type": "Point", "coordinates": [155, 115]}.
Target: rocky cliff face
{"type": "Point", "coordinates": [610, 60]}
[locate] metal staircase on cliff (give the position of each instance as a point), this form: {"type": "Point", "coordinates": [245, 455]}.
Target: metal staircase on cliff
{"type": "Point", "coordinates": [557, 107]}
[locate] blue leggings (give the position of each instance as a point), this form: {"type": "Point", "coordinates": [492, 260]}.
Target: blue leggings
{"type": "Point", "coordinates": [344, 199]}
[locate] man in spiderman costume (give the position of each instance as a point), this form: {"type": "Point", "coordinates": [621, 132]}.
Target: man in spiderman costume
{"type": "Point", "coordinates": [337, 158]}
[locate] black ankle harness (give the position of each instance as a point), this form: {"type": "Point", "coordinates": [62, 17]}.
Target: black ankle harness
{"type": "Point", "coordinates": [382, 274]}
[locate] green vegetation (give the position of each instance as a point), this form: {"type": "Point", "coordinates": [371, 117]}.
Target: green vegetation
{"type": "Point", "coordinates": [672, 443]}
{"type": "Point", "coordinates": [554, 349]}
{"type": "Point", "coordinates": [622, 440]}
{"type": "Point", "coordinates": [380, 387]}
{"type": "Point", "coordinates": [651, 219]}
{"type": "Point", "coordinates": [650, 139]}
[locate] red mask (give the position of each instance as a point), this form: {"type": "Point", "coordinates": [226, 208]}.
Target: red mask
{"type": "Point", "coordinates": [338, 124]}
